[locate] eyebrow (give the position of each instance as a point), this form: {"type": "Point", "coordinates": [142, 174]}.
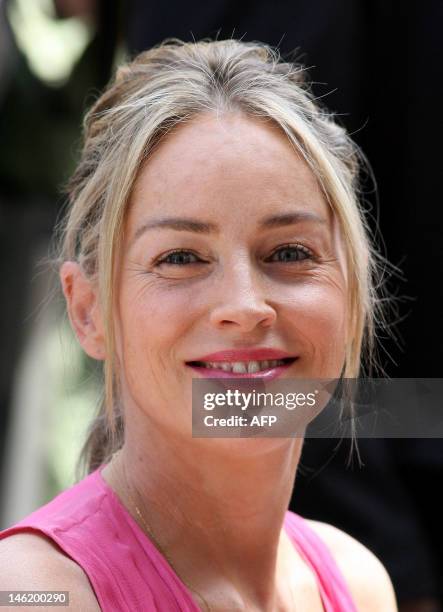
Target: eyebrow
{"type": "Point", "coordinates": [186, 224]}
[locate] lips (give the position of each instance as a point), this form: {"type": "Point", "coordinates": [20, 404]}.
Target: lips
{"type": "Point", "coordinates": [257, 354]}
{"type": "Point", "coordinates": [269, 372]}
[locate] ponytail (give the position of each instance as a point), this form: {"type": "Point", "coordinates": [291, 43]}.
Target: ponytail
{"type": "Point", "coordinates": [102, 441]}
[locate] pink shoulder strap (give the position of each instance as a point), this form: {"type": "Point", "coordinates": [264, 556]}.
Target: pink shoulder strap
{"type": "Point", "coordinates": [93, 528]}
{"type": "Point", "coordinates": [333, 589]}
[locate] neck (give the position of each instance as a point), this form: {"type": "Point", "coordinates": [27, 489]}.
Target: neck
{"type": "Point", "coordinates": [216, 506]}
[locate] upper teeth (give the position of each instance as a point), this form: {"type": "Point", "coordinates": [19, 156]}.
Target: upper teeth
{"type": "Point", "coordinates": [243, 367]}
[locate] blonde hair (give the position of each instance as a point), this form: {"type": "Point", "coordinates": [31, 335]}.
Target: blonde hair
{"type": "Point", "coordinates": [175, 82]}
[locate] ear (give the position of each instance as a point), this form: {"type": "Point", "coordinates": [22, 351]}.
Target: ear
{"type": "Point", "coordinates": [83, 309]}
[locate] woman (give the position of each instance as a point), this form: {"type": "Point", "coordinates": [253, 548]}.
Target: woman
{"type": "Point", "coordinates": [213, 223]}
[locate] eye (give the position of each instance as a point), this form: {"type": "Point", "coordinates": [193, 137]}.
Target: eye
{"type": "Point", "coordinates": [293, 253]}
{"type": "Point", "coordinates": [179, 257]}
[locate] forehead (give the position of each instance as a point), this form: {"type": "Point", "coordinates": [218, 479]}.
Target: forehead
{"type": "Point", "coordinates": [234, 164]}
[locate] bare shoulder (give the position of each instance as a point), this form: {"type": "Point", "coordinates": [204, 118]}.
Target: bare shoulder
{"type": "Point", "coordinates": [30, 561]}
{"type": "Point", "coordinates": [366, 576]}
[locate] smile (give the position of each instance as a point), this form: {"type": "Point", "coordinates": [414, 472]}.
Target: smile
{"type": "Point", "coordinates": [269, 368]}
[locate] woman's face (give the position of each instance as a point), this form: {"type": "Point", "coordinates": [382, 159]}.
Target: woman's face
{"type": "Point", "coordinates": [238, 284]}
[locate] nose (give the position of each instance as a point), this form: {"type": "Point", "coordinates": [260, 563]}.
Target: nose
{"type": "Point", "coordinates": [242, 304]}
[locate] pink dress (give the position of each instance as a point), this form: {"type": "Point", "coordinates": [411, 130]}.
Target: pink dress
{"type": "Point", "coordinates": [127, 572]}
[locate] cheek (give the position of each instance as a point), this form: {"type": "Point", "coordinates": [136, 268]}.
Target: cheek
{"type": "Point", "coordinates": [319, 316]}
{"type": "Point", "coordinates": [151, 329]}
{"type": "Point", "coordinates": [148, 330]}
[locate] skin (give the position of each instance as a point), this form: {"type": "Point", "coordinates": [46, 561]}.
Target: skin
{"type": "Point", "coordinates": [236, 169]}
{"type": "Point", "coordinates": [217, 505]}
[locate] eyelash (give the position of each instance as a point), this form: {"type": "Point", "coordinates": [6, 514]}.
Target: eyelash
{"type": "Point", "coordinates": [298, 247]}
